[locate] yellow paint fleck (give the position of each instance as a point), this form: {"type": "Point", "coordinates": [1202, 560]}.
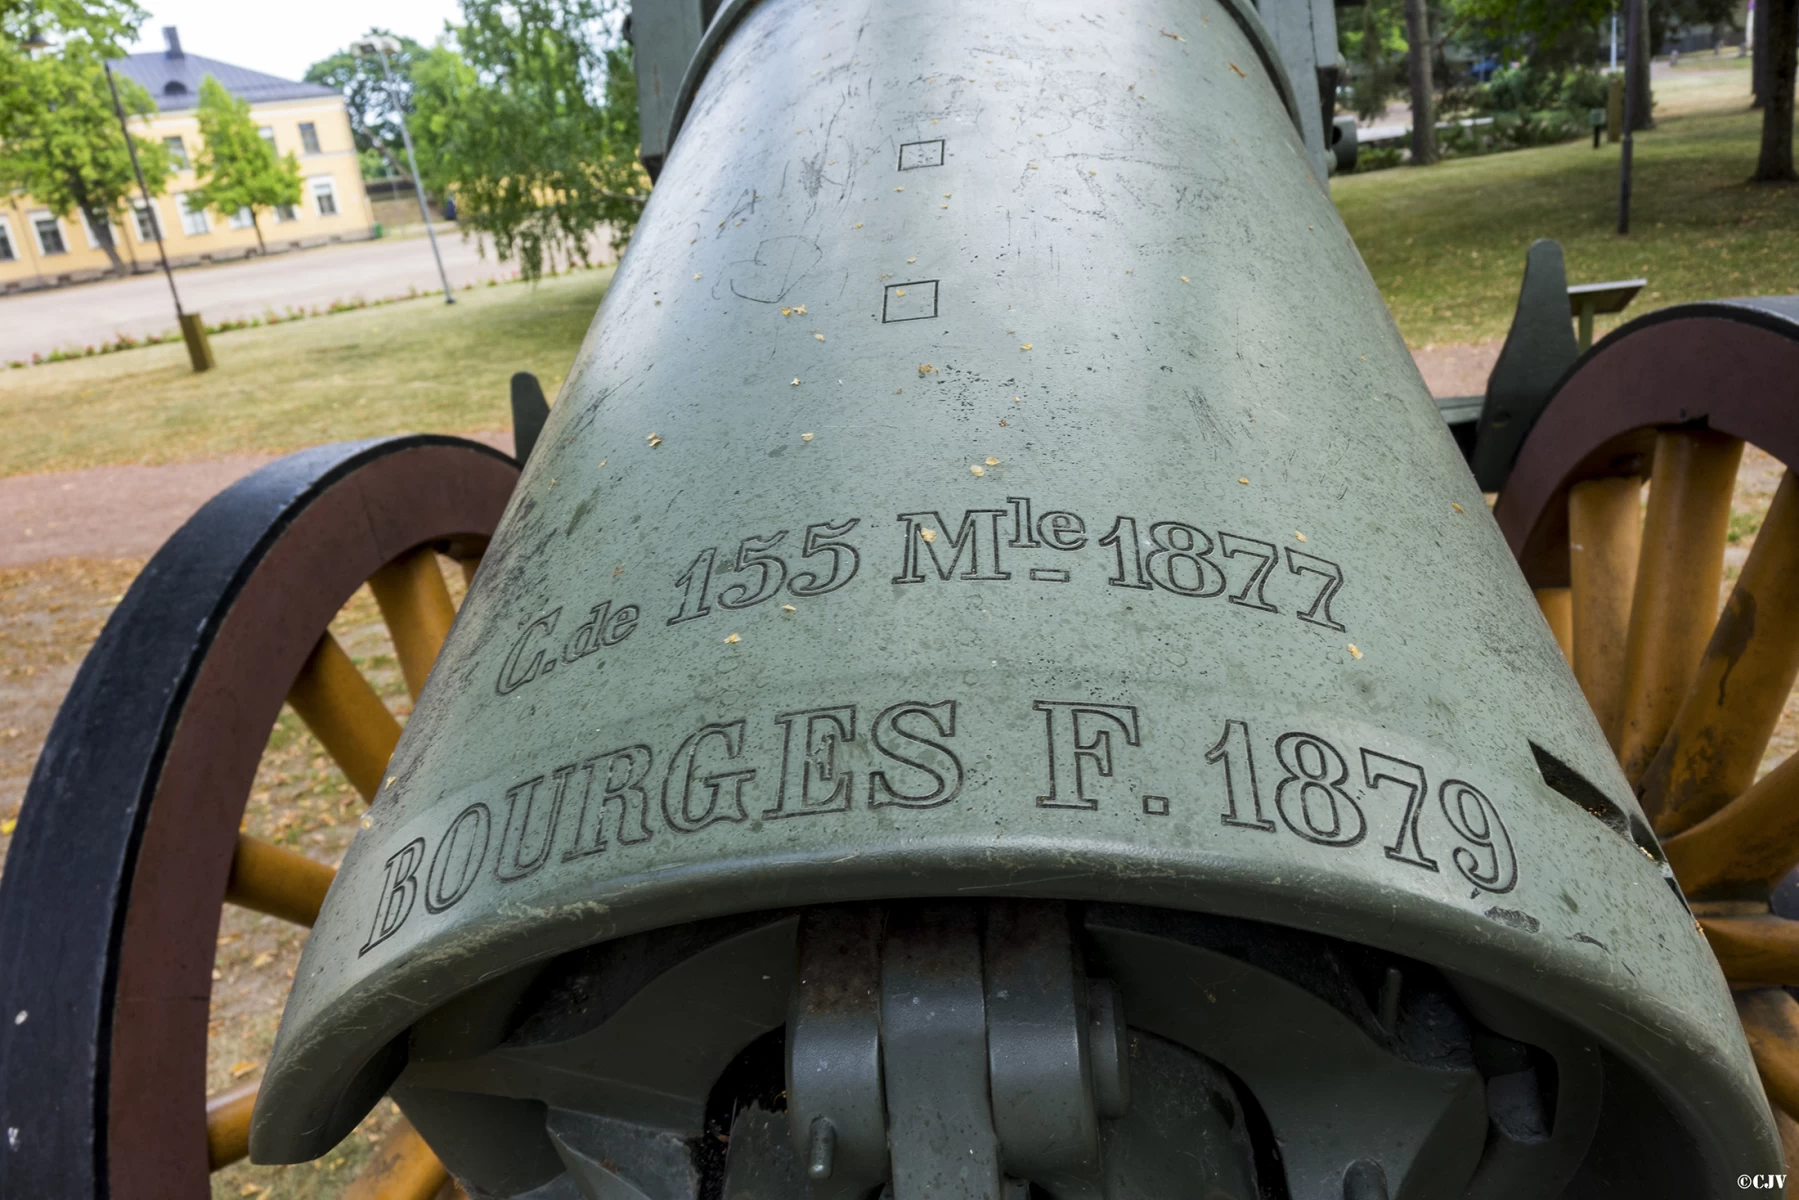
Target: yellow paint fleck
{"type": "Point", "coordinates": [1244, 479]}
{"type": "Point", "coordinates": [796, 381]}
{"type": "Point", "coordinates": [805, 437]}
{"type": "Point", "coordinates": [1456, 506]}
{"type": "Point", "coordinates": [602, 462]}
{"type": "Point", "coordinates": [992, 462]}
{"type": "Point", "coordinates": [800, 309]}
{"type": "Point", "coordinates": [367, 822]}
{"type": "Point", "coordinates": [819, 336]}
{"type": "Point", "coordinates": [913, 259]}
{"type": "Point", "coordinates": [977, 470]}
{"type": "Point", "coordinates": [732, 640]}
{"type": "Point", "coordinates": [655, 439]}
{"type": "Point", "coordinates": [857, 225]}
{"type": "Point", "coordinates": [697, 274]}
{"type": "Point", "coordinates": [929, 535]}
{"type": "Point", "coordinates": [926, 369]}
{"type": "Point", "coordinates": [788, 608]}
{"type": "Point", "coordinates": [1353, 652]}
{"type": "Point", "coordinates": [1025, 346]}
{"type": "Point", "coordinates": [1239, 71]}
{"type": "Point", "coordinates": [899, 189]}
{"type": "Point", "coordinates": [1299, 535]}
{"type": "Point", "coordinates": [1184, 279]}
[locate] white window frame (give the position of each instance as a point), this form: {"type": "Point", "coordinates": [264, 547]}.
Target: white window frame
{"type": "Point", "coordinates": [186, 163]}
{"type": "Point", "coordinates": [190, 217]}
{"type": "Point", "coordinates": [324, 185]}
{"type": "Point", "coordinates": [285, 213]}
{"type": "Point", "coordinates": [140, 210]}
{"type": "Point", "coordinates": [6, 240]}
{"type": "Point", "coordinates": [38, 233]}
{"type": "Point", "coordinates": [317, 146]}
{"type": "Point", "coordinates": [241, 219]}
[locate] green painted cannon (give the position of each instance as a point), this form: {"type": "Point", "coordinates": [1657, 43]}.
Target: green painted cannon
{"type": "Point", "coordinates": [995, 681]}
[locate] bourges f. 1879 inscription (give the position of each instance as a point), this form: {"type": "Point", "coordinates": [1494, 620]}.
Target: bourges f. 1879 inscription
{"type": "Point", "coordinates": [1017, 542]}
{"type": "Point", "coordinates": [915, 755]}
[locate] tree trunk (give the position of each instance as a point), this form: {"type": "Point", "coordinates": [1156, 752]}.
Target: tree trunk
{"type": "Point", "coordinates": [1776, 162]}
{"type": "Point", "coordinates": [1644, 103]}
{"type": "Point", "coordinates": [257, 226]}
{"type": "Point", "coordinates": [1424, 108]}
{"type": "Point", "coordinates": [102, 227]}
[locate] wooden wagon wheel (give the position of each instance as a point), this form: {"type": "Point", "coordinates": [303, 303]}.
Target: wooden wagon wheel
{"type": "Point", "coordinates": [128, 842]}
{"type": "Point", "coordinates": [1688, 697]}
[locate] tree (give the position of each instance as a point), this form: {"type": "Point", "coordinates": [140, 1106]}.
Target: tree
{"type": "Point", "coordinates": [1424, 106]}
{"type": "Point", "coordinates": [60, 139]}
{"type": "Point", "coordinates": [1374, 46]}
{"type": "Point", "coordinates": [532, 127]}
{"type": "Point", "coordinates": [374, 107]}
{"type": "Point", "coordinates": [1775, 163]}
{"type": "Point", "coordinates": [237, 169]}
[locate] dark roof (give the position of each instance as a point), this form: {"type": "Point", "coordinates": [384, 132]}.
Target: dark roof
{"type": "Point", "coordinates": [174, 83]}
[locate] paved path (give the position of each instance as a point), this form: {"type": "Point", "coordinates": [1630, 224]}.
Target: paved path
{"type": "Point", "coordinates": [60, 318]}
{"type": "Point", "coordinates": [119, 512]}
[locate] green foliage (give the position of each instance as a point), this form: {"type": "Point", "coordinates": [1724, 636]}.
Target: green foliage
{"type": "Point", "coordinates": [237, 168]}
{"type": "Point", "coordinates": [1378, 158]}
{"type": "Point", "coordinates": [1529, 88]}
{"type": "Point", "coordinates": [374, 104]}
{"type": "Point", "coordinates": [60, 138]}
{"type": "Point", "coordinates": [1374, 47]}
{"type": "Point", "coordinates": [531, 125]}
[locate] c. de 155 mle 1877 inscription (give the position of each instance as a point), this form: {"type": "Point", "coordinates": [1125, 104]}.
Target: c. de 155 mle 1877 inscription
{"type": "Point", "coordinates": [797, 765]}
{"type": "Point", "coordinates": [983, 545]}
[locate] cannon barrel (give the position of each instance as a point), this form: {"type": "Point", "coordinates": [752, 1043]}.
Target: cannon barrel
{"type": "Point", "coordinates": [994, 558]}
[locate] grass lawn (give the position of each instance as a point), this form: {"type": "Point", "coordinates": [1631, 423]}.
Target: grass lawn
{"type": "Point", "coordinates": [416, 366]}
{"type": "Point", "coordinates": [1446, 243]}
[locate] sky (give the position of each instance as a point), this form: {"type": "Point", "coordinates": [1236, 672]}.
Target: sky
{"type": "Point", "coordinates": [286, 39]}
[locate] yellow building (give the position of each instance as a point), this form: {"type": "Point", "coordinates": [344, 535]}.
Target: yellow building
{"type": "Point", "coordinates": [39, 250]}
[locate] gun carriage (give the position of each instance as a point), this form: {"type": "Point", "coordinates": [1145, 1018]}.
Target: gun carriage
{"type": "Point", "coordinates": [994, 680]}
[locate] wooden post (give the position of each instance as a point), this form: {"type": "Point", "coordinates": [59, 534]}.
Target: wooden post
{"type": "Point", "coordinates": [199, 349]}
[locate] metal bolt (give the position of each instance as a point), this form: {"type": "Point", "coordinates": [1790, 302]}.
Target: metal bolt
{"type": "Point", "coordinates": [824, 1146]}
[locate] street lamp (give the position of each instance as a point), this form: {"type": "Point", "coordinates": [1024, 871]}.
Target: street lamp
{"type": "Point", "coordinates": [380, 46]}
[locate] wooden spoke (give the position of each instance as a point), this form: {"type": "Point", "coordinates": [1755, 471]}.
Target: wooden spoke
{"type": "Point", "coordinates": [1752, 840]}
{"type": "Point", "coordinates": [269, 879]}
{"type": "Point", "coordinates": [403, 1169]}
{"type": "Point", "coordinates": [1722, 728]}
{"type": "Point", "coordinates": [1675, 601]}
{"type": "Point", "coordinates": [1605, 534]}
{"type": "Point", "coordinates": [1771, 1019]}
{"type": "Point", "coordinates": [417, 608]}
{"type": "Point", "coordinates": [1757, 951]}
{"type": "Point", "coordinates": [469, 567]}
{"type": "Point", "coordinates": [228, 1124]}
{"type": "Point", "coordinates": [346, 715]}
{"type": "Point", "coordinates": [1558, 610]}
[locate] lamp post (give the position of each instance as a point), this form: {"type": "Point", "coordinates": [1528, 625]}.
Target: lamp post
{"type": "Point", "coordinates": [380, 46]}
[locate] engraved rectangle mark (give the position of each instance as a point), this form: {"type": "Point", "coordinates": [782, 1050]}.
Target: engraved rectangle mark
{"type": "Point", "coordinates": [1048, 575]}
{"type": "Point", "coordinates": [914, 155]}
{"type": "Point", "coordinates": [912, 301]}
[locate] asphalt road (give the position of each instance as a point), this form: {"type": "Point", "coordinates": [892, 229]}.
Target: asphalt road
{"type": "Point", "coordinates": [91, 313]}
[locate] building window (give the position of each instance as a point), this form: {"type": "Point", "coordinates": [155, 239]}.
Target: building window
{"type": "Point", "coordinates": [241, 219]}
{"type": "Point", "coordinates": [324, 196]}
{"type": "Point", "coordinates": [177, 152]}
{"type": "Point", "coordinates": [286, 212]}
{"type": "Point", "coordinates": [267, 133]}
{"type": "Point", "coordinates": [193, 219]}
{"type": "Point", "coordinates": [7, 253]}
{"type": "Point", "coordinates": [49, 233]}
{"type": "Point", "coordinates": [309, 137]}
{"type": "Point", "coordinates": [146, 222]}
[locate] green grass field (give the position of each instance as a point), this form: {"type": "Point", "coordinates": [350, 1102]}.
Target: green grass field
{"type": "Point", "coordinates": [415, 366]}
{"type": "Point", "coordinates": [1446, 243]}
